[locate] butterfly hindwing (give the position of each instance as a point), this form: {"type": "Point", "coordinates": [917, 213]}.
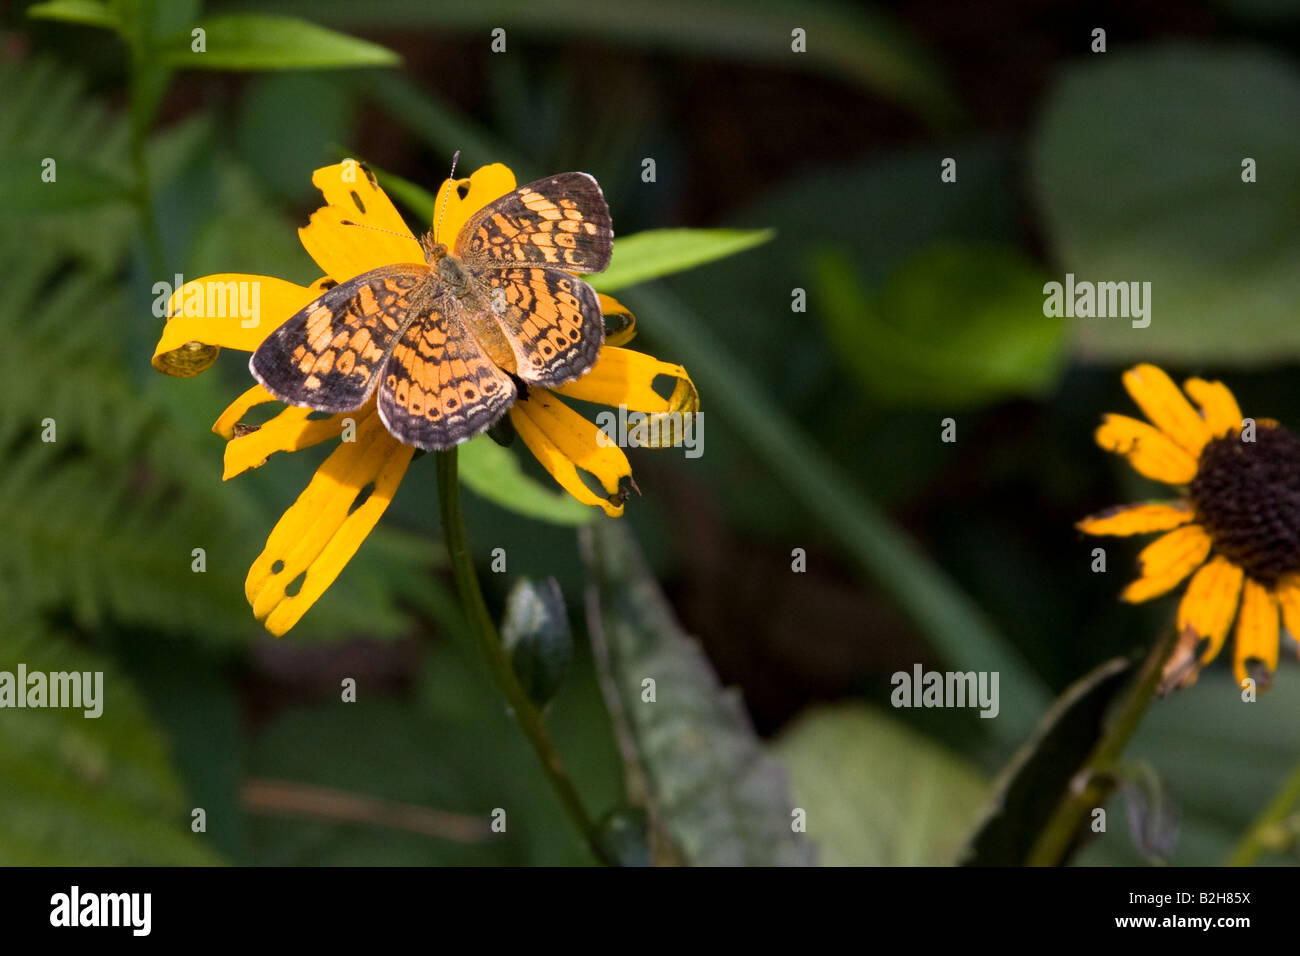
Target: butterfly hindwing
{"type": "Point", "coordinates": [561, 221]}
{"type": "Point", "coordinates": [440, 388]}
{"type": "Point", "coordinates": [330, 354]}
{"type": "Point", "coordinates": [552, 321]}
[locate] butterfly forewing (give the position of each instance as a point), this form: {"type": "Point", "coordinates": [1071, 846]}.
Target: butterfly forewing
{"type": "Point", "coordinates": [330, 355]}
{"type": "Point", "coordinates": [439, 387]}
{"type": "Point", "coordinates": [560, 221]}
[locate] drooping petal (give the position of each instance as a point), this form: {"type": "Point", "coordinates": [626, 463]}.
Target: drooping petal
{"type": "Point", "coordinates": [1210, 604]}
{"type": "Point", "coordinates": [1166, 561]}
{"type": "Point", "coordinates": [1166, 407]}
{"type": "Point", "coordinates": [459, 199]}
{"type": "Point", "coordinates": [1288, 596]}
{"type": "Point", "coordinates": [1257, 632]}
{"type": "Point", "coordinates": [291, 430]}
{"type": "Point", "coordinates": [564, 442]}
{"type": "Point", "coordinates": [1218, 406]}
{"type": "Point", "coordinates": [228, 310]}
{"type": "Point", "coordinates": [620, 323]}
{"type": "Point", "coordinates": [380, 236]}
{"type": "Point", "coordinates": [317, 535]}
{"type": "Point", "coordinates": [1137, 519]}
{"type": "Point", "coordinates": [236, 410]}
{"type": "Point", "coordinates": [1148, 450]}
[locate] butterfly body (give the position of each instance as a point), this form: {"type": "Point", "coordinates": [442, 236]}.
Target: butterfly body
{"type": "Point", "coordinates": [446, 342]}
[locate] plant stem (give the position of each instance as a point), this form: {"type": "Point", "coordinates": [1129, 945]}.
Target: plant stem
{"type": "Point", "coordinates": [1258, 837]}
{"type": "Point", "coordinates": [1094, 778]}
{"type": "Point", "coordinates": [525, 713]}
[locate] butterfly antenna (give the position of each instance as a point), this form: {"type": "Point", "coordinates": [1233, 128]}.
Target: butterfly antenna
{"type": "Point", "coordinates": [455, 158]}
{"type": "Point", "coordinates": [366, 225]}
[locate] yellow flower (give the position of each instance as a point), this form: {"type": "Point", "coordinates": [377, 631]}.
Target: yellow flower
{"type": "Point", "coordinates": [1236, 521]}
{"type": "Point", "coordinates": [321, 531]}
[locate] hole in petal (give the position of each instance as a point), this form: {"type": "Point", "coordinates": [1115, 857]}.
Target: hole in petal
{"type": "Point", "coordinates": [277, 567]}
{"type": "Point", "coordinates": [462, 189]}
{"type": "Point", "coordinates": [295, 585]}
{"type": "Point", "coordinates": [317, 416]}
{"type": "Point", "coordinates": [362, 496]}
{"type": "Point", "coordinates": [356, 201]}
{"type": "Point", "coordinates": [664, 386]}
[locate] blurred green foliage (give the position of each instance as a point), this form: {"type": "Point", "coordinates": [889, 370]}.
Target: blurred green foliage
{"type": "Point", "coordinates": [817, 172]}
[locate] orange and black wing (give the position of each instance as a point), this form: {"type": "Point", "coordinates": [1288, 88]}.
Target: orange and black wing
{"type": "Point", "coordinates": [329, 356]}
{"type": "Point", "coordinates": [561, 221]}
{"type": "Point", "coordinates": [440, 388]}
{"type": "Point", "coordinates": [551, 319]}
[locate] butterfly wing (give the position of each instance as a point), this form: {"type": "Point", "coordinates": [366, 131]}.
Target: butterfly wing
{"type": "Point", "coordinates": [561, 221]}
{"type": "Point", "coordinates": [551, 319]}
{"type": "Point", "coordinates": [329, 355]}
{"type": "Point", "coordinates": [440, 388]}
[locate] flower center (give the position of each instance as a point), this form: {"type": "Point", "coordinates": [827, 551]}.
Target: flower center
{"type": "Point", "coordinates": [1247, 496]}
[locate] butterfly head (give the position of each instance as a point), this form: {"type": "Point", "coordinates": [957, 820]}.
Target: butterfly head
{"type": "Point", "coordinates": [434, 251]}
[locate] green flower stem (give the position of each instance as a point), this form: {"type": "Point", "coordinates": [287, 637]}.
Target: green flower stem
{"type": "Point", "coordinates": [1262, 833]}
{"type": "Point", "coordinates": [525, 713]}
{"type": "Point", "coordinates": [1058, 836]}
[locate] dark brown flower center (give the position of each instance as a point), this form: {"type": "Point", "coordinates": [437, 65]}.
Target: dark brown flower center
{"type": "Point", "coordinates": [1247, 496]}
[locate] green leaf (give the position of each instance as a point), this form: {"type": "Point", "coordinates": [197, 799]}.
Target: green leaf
{"type": "Point", "coordinates": [75, 185]}
{"type": "Point", "coordinates": [535, 634]}
{"type": "Point", "coordinates": [1149, 188]}
{"type": "Point", "coordinates": [711, 788]}
{"type": "Point", "coordinates": [494, 473]}
{"type": "Point", "coordinates": [956, 324]}
{"type": "Point", "coordinates": [250, 41]}
{"type": "Point", "coordinates": [877, 793]}
{"type": "Point", "coordinates": [92, 13]}
{"type": "Point", "coordinates": [660, 252]}
{"type": "Point", "coordinates": [86, 791]}
{"type": "Point", "coordinates": [1034, 781]}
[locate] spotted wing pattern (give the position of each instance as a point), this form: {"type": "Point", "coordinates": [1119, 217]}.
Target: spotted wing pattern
{"type": "Point", "coordinates": [561, 221]}
{"type": "Point", "coordinates": [439, 386]}
{"type": "Point", "coordinates": [330, 355]}
{"type": "Point", "coordinates": [552, 321]}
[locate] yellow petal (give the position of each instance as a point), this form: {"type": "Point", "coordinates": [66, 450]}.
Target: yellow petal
{"type": "Point", "coordinates": [1167, 408]}
{"type": "Point", "coordinates": [563, 441]}
{"type": "Point", "coordinates": [1137, 519]}
{"type": "Point", "coordinates": [624, 379]}
{"type": "Point", "coordinates": [1257, 632]}
{"type": "Point", "coordinates": [1288, 596]}
{"type": "Point", "coordinates": [1149, 451]}
{"type": "Point", "coordinates": [620, 323]}
{"type": "Point", "coordinates": [317, 536]}
{"type": "Point", "coordinates": [1210, 604]}
{"type": "Point", "coordinates": [225, 425]}
{"type": "Point", "coordinates": [229, 310]}
{"type": "Point", "coordinates": [1166, 561]}
{"type": "Point", "coordinates": [291, 430]}
{"type": "Point", "coordinates": [380, 236]}
{"type": "Point", "coordinates": [1218, 406]}
{"type": "Point", "coordinates": [459, 199]}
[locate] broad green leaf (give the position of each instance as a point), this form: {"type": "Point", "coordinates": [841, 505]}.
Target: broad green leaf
{"type": "Point", "coordinates": [877, 793]}
{"type": "Point", "coordinates": [239, 41]}
{"type": "Point", "coordinates": [86, 791]}
{"type": "Point", "coordinates": [956, 324]}
{"type": "Point", "coordinates": [1148, 188]}
{"type": "Point", "coordinates": [535, 633]}
{"type": "Point", "coordinates": [92, 13]}
{"type": "Point", "coordinates": [660, 252]}
{"type": "Point", "coordinates": [1034, 780]}
{"type": "Point", "coordinates": [73, 185]}
{"type": "Point", "coordinates": [493, 472]}
{"type": "Point", "coordinates": [719, 798]}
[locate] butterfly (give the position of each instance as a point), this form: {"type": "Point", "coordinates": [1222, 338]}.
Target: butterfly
{"type": "Point", "coordinates": [452, 341]}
